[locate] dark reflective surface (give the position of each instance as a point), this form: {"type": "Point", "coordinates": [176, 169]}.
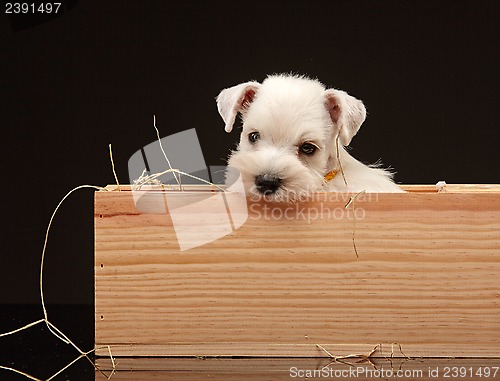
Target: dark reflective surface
{"type": "Point", "coordinates": [38, 352]}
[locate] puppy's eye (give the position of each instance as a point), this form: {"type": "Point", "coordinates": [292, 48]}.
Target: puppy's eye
{"type": "Point", "coordinates": [308, 149]}
{"type": "Point", "coordinates": [253, 136]}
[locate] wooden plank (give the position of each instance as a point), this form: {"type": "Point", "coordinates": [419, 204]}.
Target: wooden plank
{"type": "Point", "coordinates": [272, 350]}
{"type": "Point", "coordinates": [427, 277]}
{"type": "Point", "coordinates": [284, 369]}
{"type": "Point", "coordinates": [425, 188]}
{"type": "Point", "coordinates": [454, 188]}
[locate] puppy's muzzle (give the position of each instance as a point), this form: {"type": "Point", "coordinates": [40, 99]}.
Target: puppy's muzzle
{"type": "Point", "coordinates": [267, 184]}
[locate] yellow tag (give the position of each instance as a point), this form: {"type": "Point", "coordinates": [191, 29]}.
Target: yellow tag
{"type": "Point", "coordinates": [330, 175]}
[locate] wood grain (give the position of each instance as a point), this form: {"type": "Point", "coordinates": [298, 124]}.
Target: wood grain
{"type": "Point", "coordinates": [275, 369]}
{"type": "Point", "coordinates": [427, 277]}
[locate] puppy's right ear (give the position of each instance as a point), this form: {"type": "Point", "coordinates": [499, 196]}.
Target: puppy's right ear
{"type": "Point", "coordinates": [234, 100]}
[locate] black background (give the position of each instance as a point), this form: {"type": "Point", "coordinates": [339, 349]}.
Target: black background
{"type": "Point", "coordinates": [427, 72]}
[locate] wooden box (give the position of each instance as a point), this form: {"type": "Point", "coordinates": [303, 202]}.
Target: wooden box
{"type": "Point", "coordinates": [426, 276]}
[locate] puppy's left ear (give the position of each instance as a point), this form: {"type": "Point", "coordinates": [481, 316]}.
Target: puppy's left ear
{"type": "Point", "coordinates": [235, 99]}
{"type": "Point", "coordinates": [347, 114]}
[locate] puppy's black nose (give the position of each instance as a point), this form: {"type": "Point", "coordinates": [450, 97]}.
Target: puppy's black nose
{"type": "Point", "coordinates": [267, 184]}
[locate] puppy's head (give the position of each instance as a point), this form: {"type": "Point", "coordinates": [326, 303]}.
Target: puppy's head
{"type": "Point", "coordinates": [290, 127]}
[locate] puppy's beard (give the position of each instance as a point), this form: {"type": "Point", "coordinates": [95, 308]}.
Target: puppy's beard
{"type": "Point", "coordinates": [297, 180]}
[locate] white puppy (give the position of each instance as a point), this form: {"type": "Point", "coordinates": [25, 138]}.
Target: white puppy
{"type": "Point", "coordinates": [293, 138]}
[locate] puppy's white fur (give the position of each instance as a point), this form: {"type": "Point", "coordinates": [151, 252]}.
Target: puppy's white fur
{"type": "Point", "coordinates": [288, 111]}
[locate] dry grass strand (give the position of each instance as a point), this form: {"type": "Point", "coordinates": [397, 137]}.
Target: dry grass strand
{"type": "Point", "coordinates": [349, 203]}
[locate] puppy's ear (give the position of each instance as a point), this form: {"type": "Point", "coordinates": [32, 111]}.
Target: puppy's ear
{"type": "Point", "coordinates": [347, 114]}
{"type": "Point", "coordinates": [234, 100]}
